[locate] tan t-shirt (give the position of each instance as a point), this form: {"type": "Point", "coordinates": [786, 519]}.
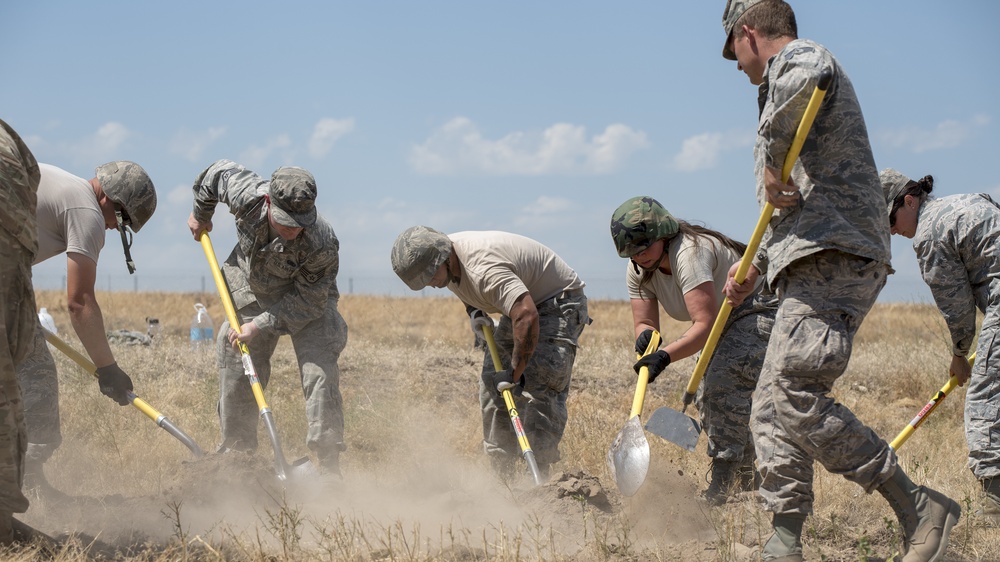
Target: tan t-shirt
{"type": "Point", "coordinates": [498, 267]}
{"type": "Point", "coordinates": [693, 261]}
{"type": "Point", "coordinates": [69, 218]}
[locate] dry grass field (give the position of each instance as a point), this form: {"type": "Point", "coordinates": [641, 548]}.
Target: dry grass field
{"type": "Point", "coordinates": [416, 486]}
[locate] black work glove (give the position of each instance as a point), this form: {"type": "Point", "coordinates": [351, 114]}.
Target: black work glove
{"type": "Point", "coordinates": [642, 342]}
{"type": "Point", "coordinates": [114, 383]}
{"type": "Point", "coordinates": [656, 361]}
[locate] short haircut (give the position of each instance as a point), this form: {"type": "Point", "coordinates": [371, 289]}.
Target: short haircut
{"type": "Point", "coordinates": [770, 18]}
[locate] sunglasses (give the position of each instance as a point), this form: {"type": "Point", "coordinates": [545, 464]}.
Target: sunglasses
{"type": "Point", "coordinates": [896, 205]}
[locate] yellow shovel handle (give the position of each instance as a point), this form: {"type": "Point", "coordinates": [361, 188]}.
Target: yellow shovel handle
{"type": "Point", "coordinates": [643, 381]}
{"type": "Point", "coordinates": [220, 281]}
{"type": "Point", "coordinates": [87, 365]}
{"type": "Point", "coordinates": [515, 418]}
{"type": "Point", "coordinates": [234, 322]}
{"type": "Point", "coordinates": [765, 217]}
{"type": "Point", "coordinates": [508, 398]}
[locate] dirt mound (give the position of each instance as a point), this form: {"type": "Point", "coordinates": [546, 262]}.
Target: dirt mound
{"type": "Point", "coordinates": [668, 507]}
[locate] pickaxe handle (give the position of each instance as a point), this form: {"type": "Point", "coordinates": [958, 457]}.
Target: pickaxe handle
{"type": "Point", "coordinates": [765, 217]}
{"type": "Point", "coordinates": [926, 410]}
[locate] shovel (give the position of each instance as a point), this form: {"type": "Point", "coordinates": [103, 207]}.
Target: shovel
{"type": "Point", "coordinates": [628, 457]}
{"type": "Point", "coordinates": [677, 427]}
{"type": "Point", "coordinates": [926, 410]}
{"type": "Point", "coordinates": [280, 465]}
{"type": "Point", "coordinates": [515, 419]}
{"type": "Point", "coordinates": [143, 406]}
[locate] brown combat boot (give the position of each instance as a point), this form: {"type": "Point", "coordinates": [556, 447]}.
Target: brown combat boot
{"type": "Point", "coordinates": [35, 484]}
{"type": "Point", "coordinates": [785, 545]}
{"type": "Point", "coordinates": [730, 478]}
{"type": "Point", "coordinates": [925, 516]}
{"type": "Point", "coordinates": [990, 511]}
{"type": "Point", "coordinates": [6, 528]}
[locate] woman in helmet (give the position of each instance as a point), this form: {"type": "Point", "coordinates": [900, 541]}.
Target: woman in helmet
{"type": "Point", "coordinates": [682, 268]}
{"type": "Point", "coordinates": [955, 238]}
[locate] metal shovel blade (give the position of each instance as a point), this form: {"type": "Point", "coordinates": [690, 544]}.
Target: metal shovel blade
{"type": "Point", "coordinates": [675, 427]}
{"type": "Point", "coordinates": [628, 457]}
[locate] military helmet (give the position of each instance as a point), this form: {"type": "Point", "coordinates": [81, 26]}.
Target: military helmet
{"type": "Point", "coordinates": [639, 222]}
{"type": "Point", "coordinates": [417, 254]}
{"type": "Point", "coordinates": [128, 185]}
{"type": "Point", "coordinates": [894, 183]}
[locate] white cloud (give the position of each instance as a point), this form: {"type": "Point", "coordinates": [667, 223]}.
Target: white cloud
{"type": "Point", "coordinates": [192, 144]}
{"type": "Point", "coordinates": [35, 143]}
{"type": "Point", "coordinates": [545, 205]}
{"type": "Point", "coordinates": [947, 134]}
{"type": "Point", "coordinates": [180, 194]}
{"type": "Point", "coordinates": [545, 210]}
{"type": "Point", "coordinates": [103, 145]}
{"type": "Point", "coordinates": [459, 147]}
{"type": "Point", "coordinates": [327, 132]}
{"type": "Point", "coordinates": [701, 152]}
{"type": "Point", "coordinates": [255, 156]}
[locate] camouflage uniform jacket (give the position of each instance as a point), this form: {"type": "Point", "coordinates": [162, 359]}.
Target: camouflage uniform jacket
{"type": "Point", "coordinates": [19, 199]}
{"type": "Point", "coordinates": [955, 242]}
{"type": "Point", "coordinates": [292, 280]}
{"type": "Point", "coordinates": [841, 205]}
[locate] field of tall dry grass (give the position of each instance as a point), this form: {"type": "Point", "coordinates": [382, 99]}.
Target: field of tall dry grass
{"type": "Point", "coordinates": [415, 484]}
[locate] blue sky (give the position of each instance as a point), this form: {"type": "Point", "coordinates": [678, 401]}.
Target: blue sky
{"type": "Point", "coordinates": [535, 117]}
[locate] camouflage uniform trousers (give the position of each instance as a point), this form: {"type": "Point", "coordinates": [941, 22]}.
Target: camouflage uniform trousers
{"type": "Point", "coordinates": [982, 401]}
{"type": "Point", "coordinates": [823, 299]}
{"type": "Point", "coordinates": [546, 379]}
{"type": "Point", "coordinates": [724, 396]}
{"type": "Point", "coordinates": [317, 349]}
{"type": "Point", "coordinates": [39, 382]}
{"type": "Point", "coordinates": [17, 305]}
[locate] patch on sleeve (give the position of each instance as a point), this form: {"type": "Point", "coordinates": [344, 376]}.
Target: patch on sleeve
{"type": "Point", "coordinates": [798, 51]}
{"type": "Point", "coordinates": [311, 276]}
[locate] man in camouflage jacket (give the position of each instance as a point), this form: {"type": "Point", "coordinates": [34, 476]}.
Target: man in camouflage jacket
{"type": "Point", "coordinates": [282, 275]}
{"type": "Point", "coordinates": [826, 255]}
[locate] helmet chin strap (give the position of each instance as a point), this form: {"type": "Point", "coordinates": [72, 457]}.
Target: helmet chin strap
{"type": "Point", "coordinates": [655, 266]}
{"type": "Point", "coordinates": [126, 242]}
{"type": "Point", "coordinates": [452, 278]}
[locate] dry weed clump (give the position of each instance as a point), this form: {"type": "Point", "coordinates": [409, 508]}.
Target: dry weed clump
{"type": "Point", "coordinates": [416, 485]}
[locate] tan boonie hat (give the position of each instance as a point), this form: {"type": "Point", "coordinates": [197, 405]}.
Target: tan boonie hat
{"type": "Point", "coordinates": [293, 197]}
{"type": "Point", "coordinates": [734, 9]}
{"type": "Point", "coordinates": [417, 254]}
{"type": "Point", "coordinates": [893, 183]}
